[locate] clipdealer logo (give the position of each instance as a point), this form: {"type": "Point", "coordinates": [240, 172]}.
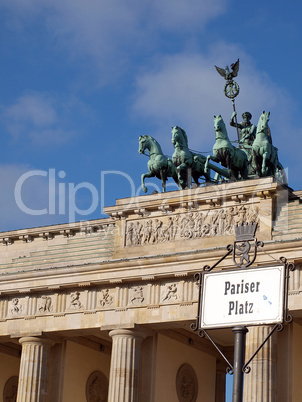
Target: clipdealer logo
{"type": "Point", "coordinates": [63, 197]}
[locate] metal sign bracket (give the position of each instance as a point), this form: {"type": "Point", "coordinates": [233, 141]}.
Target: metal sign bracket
{"type": "Point", "coordinates": [245, 234]}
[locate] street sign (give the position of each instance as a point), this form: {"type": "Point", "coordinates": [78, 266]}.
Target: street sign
{"type": "Point", "coordinates": [252, 296]}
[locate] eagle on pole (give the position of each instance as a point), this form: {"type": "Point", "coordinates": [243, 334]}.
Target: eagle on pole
{"type": "Point", "coordinates": [226, 73]}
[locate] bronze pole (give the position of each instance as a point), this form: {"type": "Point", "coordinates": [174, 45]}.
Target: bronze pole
{"type": "Point", "coordinates": [233, 102]}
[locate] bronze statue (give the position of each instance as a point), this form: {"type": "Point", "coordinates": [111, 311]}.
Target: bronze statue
{"type": "Point", "coordinates": [234, 159]}
{"type": "Point", "coordinates": [189, 163]}
{"type": "Point", "coordinates": [255, 155]}
{"type": "Point", "coordinates": [226, 73]}
{"type": "Point", "coordinates": [159, 165]}
{"type": "Point", "coordinates": [231, 88]}
{"type": "Point", "coordinates": [185, 160]}
{"type": "Point", "coordinates": [247, 133]}
{"type": "Point", "coordinates": [247, 130]}
{"type": "Point", "coordinates": [265, 155]}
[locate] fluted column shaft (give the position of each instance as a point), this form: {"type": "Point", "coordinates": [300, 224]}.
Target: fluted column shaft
{"type": "Point", "coordinates": [125, 369]}
{"type": "Point", "coordinates": [260, 383]}
{"type": "Point", "coordinates": [32, 386]}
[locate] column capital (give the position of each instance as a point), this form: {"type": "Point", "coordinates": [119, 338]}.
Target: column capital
{"type": "Point", "coordinates": [36, 340]}
{"type": "Point", "coordinates": [131, 333]}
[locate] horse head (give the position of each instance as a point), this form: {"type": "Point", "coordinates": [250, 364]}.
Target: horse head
{"type": "Point", "coordinates": [150, 143]}
{"type": "Point", "coordinates": [219, 127]}
{"type": "Point", "coordinates": [143, 143]}
{"type": "Point", "coordinates": [263, 122]}
{"type": "Point", "coordinates": [179, 136]}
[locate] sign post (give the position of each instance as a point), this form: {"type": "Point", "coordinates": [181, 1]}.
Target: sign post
{"type": "Point", "coordinates": [239, 356]}
{"type": "Point", "coordinates": [242, 297]}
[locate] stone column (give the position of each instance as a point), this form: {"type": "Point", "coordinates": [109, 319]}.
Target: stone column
{"type": "Point", "coordinates": [260, 383]}
{"type": "Point", "coordinates": [33, 375]}
{"type": "Point", "coordinates": [125, 369]}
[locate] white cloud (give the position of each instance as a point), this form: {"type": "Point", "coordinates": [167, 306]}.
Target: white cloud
{"type": "Point", "coordinates": [184, 15]}
{"type": "Point", "coordinates": [110, 32]}
{"type": "Point", "coordinates": [42, 119]}
{"type": "Point", "coordinates": [35, 109]}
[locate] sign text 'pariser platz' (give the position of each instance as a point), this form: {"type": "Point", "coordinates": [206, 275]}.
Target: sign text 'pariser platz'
{"type": "Point", "coordinates": [251, 296]}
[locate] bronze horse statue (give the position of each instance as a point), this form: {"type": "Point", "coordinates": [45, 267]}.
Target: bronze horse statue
{"type": "Point", "coordinates": [234, 159]}
{"type": "Point", "coordinates": [265, 155]}
{"type": "Point", "coordinates": [159, 165]}
{"type": "Point", "coordinates": [186, 161]}
{"type": "Point", "coordinates": [189, 163]}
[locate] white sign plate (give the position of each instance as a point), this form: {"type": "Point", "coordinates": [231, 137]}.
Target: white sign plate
{"type": "Point", "coordinates": [252, 296]}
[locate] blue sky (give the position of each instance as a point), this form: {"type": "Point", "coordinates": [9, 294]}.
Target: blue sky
{"type": "Point", "coordinates": [81, 80]}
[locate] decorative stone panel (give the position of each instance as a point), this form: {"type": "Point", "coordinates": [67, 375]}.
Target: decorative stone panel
{"type": "Point", "coordinates": [139, 294]}
{"type": "Point", "coordinates": [190, 225]}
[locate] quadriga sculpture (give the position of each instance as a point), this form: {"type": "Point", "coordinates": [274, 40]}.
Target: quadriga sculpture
{"type": "Point", "coordinates": [265, 155]}
{"type": "Point", "coordinates": [184, 159]}
{"type": "Point", "coordinates": [159, 165]}
{"type": "Point", "coordinates": [234, 159]}
{"type": "Point", "coordinates": [188, 163]}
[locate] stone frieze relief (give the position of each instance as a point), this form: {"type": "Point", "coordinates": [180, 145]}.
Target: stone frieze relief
{"type": "Point", "coordinates": [16, 307]}
{"type": "Point", "coordinates": [150, 294]}
{"type": "Point", "coordinates": [45, 305]}
{"type": "Point", "coordinates": [105, 298]}
{"type": "Point", "coordinates": [197, 224]}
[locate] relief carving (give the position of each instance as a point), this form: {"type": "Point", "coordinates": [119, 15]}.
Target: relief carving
{"type": "Point", "coordinates": [192, 225]}
{"type": "Point", "coordinates": [45, 305]}
{"type": "Point", "coordinates": [137, 295]}
{"type": "Point", "coordinates": [10, 389]}
{"type": "Point", "coordinates": [97, 387]}
{"type": "Point", "coordinates": [17, 308]}
{"type": "Point", "coordinates": [170, 293]}
{"type": "Point", "coordinates": [75, 302]}
{"type": "Point", "coordinates": [186, 384]}
{"type": "Point", "coordinates": [106, 299]}
{"type": "Point", "coordinates": [152, 293]}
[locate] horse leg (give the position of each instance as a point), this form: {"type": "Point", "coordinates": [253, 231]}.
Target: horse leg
{"type": "Point", "coordinates": [163, 177]}
{"type": "Point", "coordinates": [210, 158]}
{"type": "Point", "coordinates": [228, 158]}
{"type": "Point", "coordinates": [206, 165]}
{"type": "Point", "coordinates": [265, 159]}
{"type": "Point", "coordinates": [256, 162]}
{"type": "Point", "coordinates": [149, 174]}
{"type": "Point", "coordinates": [189, 177]}
{"type": "Point", "coordinates": [244, 171]}
{"type": "Point", "coordinates": [182, 173]}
